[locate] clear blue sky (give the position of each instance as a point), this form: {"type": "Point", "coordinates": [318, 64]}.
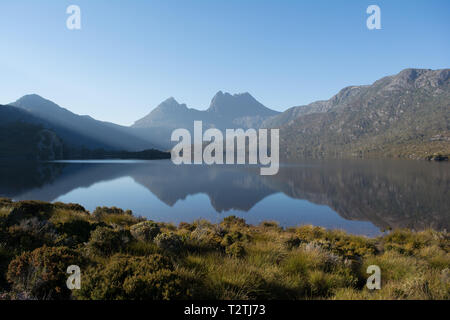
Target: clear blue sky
{"type": "Point", "coordinates": [130, 55]}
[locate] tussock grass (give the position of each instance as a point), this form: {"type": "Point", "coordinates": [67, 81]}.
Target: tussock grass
{"type": "Point", "coordinates": [230, 260]}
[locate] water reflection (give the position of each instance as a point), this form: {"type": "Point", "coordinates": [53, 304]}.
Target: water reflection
{"type": "Point", "coordinates": [359, 196]}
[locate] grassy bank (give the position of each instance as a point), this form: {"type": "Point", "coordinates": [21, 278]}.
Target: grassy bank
{"type": "Point", "coordinates": [126, 257]}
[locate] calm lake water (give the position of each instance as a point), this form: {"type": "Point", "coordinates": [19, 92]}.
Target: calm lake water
{"type": "Point", "coordinates": [360, 196]}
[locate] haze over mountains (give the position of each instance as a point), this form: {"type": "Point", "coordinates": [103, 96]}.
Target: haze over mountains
{"type": "Point", "coordinates": [405, 115]}
{"type": "Point", "coordinates": [226, 111]}
{"type": "Point", "coordinates": [82, 131]}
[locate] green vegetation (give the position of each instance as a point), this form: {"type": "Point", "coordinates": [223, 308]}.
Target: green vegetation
{"type": "Point", "coordinates": [126, 257]}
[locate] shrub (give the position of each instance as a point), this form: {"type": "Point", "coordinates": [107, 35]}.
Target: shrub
{"type": "Point", "coordinates": [352, 247]}
{"type": "Point", "coordinates": [145, 231]}
{"type": "Point", "coordinates": [169, 242]}
{"type": "Point", "coordinates": [205, 237]}
{"type": "Point", "coordinates": [227, 261]}
{"type": "Point", "coordinates": [30, 234]}
{"type": "Point", "coordinates": [42, 273]}
{"type": "Point", "coordinates": [105, 241]}
{"type": "Point", "coordinates": [74, 232]}
{"type": "Point", "coordinates": [233, 237]}
{"type": "Point", "coordinates": [336, 241]}
{"type": "Point", "coordinates": [186, 226]}
{"type": "Point", "coordinates": [293, 242]}
{"type": "Point", "coordinates": [134, 278]}
{"type": "Point", "coordinates": [115, 217]}
{"type": "Point", "coordinates": [233, 221]}
{"type": "Point", "coordinates": [270, 225]}
{"type": "Point", "coordinates": [405, 241]}
{"type": "Point", "coordinates": [310, 233]}
{"type": "Point", "coordinates": [29, 209]}
{"type": "Point", "coordinates": [100, 211]}
{"type": "Point", "coordinates": [235, 250]}
{"type": "Point", "coordinates": [69, 206]}
{"type": "Point", "coordinates": [227, 240]}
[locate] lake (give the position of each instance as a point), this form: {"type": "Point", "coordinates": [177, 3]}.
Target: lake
{"type": "Point", "coordinates": [363, 197]}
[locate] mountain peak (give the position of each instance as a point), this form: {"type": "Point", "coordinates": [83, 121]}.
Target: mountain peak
{"type": "Point", "coordinates": [170, 104]}
{"type": "Point", "coordinates": [33, 98]}
{"type": "Point", "coordinates": [167, 109]}
{"type": "Point", "coordinates": [241, 104]}
{"type": "Point", "coordinates": [225, 95]}
{"type": "Point", "coordinates": [410, 75]}
{"type": "Point", "coordinates": [414, 78]}
{"type": "Point", "coordinates": [36, 103]}
{"type": "Point", "coordinates": [170, 100]}
{"type": "Point", "coordinates": [243, 94]}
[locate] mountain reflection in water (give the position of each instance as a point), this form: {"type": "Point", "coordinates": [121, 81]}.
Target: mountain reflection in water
{"type": "Point", "coordinates": [359, 196]}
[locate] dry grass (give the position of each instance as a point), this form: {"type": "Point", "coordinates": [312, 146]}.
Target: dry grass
{"type": "Point", "coordinates": [233, 260]}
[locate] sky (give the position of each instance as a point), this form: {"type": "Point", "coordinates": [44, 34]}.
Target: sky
{"type": "Point", "coordinates": [131, 55]}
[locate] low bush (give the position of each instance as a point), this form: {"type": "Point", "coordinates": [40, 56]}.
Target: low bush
{"type": "Point", "coordinates": [205, 237]}
{"type": "Point", "coordinates": [29, 209]}
{"type": "Point", "coordinates": [30, 234]}
{"type": "Point", "coordinates": [134, 278]}
{"type": "Point", "coordinates": [100, 211]}
{"type": "Point", "coordinates": [106, 241]}
{"type": "Point", "coordinates": [69, 206]}
{"type": "Point", "coordinates": [145, 231]}
{"type": "Point", "coordinates": [233, 221]}
{"type": "Point", "coordinates": [41, 274]}
{"type": "Point", "coordinates": [170, 242]}
{"type": "Point", "coordinates": [123, 257]}
{"type": "Point", "coordinates": [74, 232]}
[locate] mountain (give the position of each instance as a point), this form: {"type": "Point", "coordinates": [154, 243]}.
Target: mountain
{"type": "Point", "coordinates": [293, 113]}
{"type": "Point", "coordinates": [24, 137]}
{"type": "Point", "coordinates": [170, 114]}
{"type": "Point", "coordinates": [405, 115]}
{"type": "Point", "coordinates": [82, 131]}
{"type": "Point", "coordinates": [9, 114]}
{"type": "Point", "coordinates": [225, 111]}
{"type": "Point", "coordinates": [238, 111]}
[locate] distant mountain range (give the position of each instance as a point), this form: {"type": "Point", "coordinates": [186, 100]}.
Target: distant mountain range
{"type": "Point", "coordinates": [226, 111]}
{"type": "Point", "coordinates": [81, 131]}
{"type": "Point", "coordinates": [405, 115]}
